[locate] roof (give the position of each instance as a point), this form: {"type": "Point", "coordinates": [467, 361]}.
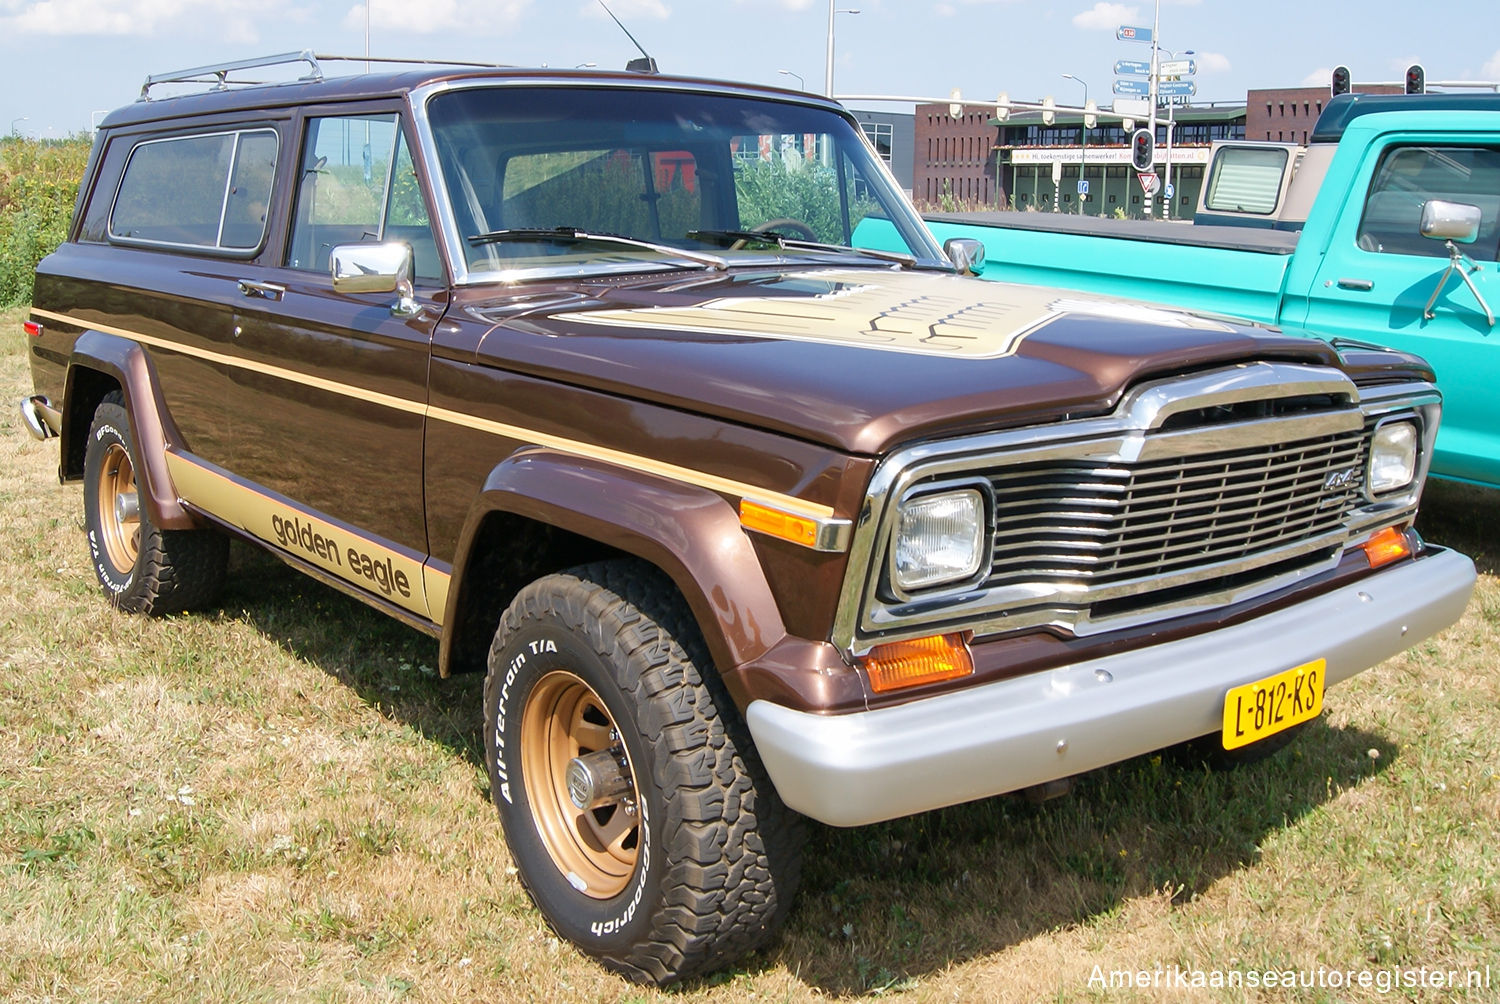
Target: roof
{"type": "Point", "coordinates": [1228, 112]}
{"type": "Point", "coordinates": [1345, 108]}
{"type": "Point", "coordinates": [397, 83]}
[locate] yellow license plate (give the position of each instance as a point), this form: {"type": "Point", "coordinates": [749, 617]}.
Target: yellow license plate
{"type": "Point", "coordinates": [1265, 707]}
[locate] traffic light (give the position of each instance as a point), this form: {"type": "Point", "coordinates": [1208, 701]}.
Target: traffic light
{"type": "Point", "coordinates": [1341, 83]}
{"type": "Point", "coordinates": [1142, 150]}
{"type": "Point", "coordinates": [1416, 79]}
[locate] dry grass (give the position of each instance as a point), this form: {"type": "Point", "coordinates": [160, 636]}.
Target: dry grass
{"type": "Point", "coordinates": [277, 800]}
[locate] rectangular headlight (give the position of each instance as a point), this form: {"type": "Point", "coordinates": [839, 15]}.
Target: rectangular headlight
{"type": "Point", "coordinates": [1393, 457]}
{"type": "Point", "coordinates": [939, 539]}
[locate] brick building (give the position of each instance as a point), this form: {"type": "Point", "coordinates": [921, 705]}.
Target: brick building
{"type": "Point", "coordinates": [1287, 114]}
{"type": "Point", "coordinates": [955, 158]}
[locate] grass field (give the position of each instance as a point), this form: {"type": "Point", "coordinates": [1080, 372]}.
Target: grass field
{"type": "Point", "coordinates": [279, 800]}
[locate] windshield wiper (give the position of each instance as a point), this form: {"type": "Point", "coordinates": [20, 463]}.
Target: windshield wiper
{"type": "Point", "coordinates": [573, 235]}
{"type": "Point", "coordinates": [784, 243]}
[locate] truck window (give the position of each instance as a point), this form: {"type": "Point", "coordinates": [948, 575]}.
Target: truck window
{"type": "Point", "coordinates": [341, 189]}
{"type": "Point", "coordinates": [1246, 180]}
{"type": "Point", "coordinates": [1408, 176]}
{"type": "Point", "coordinates": [206, 191]}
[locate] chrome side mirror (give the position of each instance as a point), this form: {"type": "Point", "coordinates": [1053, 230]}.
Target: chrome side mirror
{"type": "Point", "coordinates": [1450, 221]}
{"type": "Point", "coordinates": [966, 254]}
{"type": "Point", "coordinates": [376, 268]}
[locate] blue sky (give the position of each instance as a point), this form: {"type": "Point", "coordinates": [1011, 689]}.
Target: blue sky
{"type": "Point", "coordinates": [62, 60]}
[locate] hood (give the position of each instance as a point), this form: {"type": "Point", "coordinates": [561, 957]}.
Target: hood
{"type": "Point", "coordinates": [861, 359]}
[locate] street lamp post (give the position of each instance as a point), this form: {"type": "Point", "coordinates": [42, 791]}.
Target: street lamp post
{"type": "Point", "coordinates": [1083, 156]}
{"type": "Point", "coordinates": [828, 68]}
{"type": "Point", "coordinates": [801, 85]}
{"type": "Point", "coordinates": [13, 122]}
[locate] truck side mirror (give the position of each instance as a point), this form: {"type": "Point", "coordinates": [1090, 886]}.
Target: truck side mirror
{"type": "Point", "coordinates": [966, 254]}
{"type": "Point", "coordinates": [1450, 221]}
{"type": "Point", "coordinates": [375, 268]}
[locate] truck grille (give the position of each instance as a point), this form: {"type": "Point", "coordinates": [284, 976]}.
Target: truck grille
{"type": "Point", "coordinates": [1076, 523]}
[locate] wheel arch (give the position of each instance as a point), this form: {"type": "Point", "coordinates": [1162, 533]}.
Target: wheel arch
{"type": "Point", "coordinates": [585, 509]}
{"type": "Point", "coordinates": [102, 363]}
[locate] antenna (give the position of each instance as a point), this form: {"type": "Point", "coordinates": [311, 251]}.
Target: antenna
{"type": "Point", "coordinates": [643, 65]}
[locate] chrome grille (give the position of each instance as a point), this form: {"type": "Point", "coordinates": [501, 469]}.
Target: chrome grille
{"type": "Point", "coordinates": [1086, 524]}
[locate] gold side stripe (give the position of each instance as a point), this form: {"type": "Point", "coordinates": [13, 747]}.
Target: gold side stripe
{"type": "Point", "coordinates": [687, 475]}
{"type": "Point", "coordinates": [375, 397]}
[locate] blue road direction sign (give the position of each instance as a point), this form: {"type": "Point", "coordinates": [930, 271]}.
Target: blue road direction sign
{"type": "Point", "coordinates": [1083, 187]}
{"type": "Point", "coordinates": [1132, 33]}
{"type": "Point", "coordinates": [1132, 67]}
{"type": "Point", "coordinates": [1171, 88]}
{"type": "Point", "coordinates": [1140, 87]}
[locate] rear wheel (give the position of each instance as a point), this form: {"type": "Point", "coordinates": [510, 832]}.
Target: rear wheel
{"type": "Point", "coordinates": [142, 569]}
{"type": "Point", "coordinates": [636, 812]}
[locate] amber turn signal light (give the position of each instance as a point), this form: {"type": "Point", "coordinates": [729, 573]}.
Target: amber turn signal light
{"type": "Point", "coordinates": [1386, 546]}
{"type": "Point", "coordinates": [775, 523]}
{"type": "Point", "coordinates": [901, 664]}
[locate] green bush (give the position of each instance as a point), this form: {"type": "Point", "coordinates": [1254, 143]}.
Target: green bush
{"type": "Point", "coordinates": [38, 186]}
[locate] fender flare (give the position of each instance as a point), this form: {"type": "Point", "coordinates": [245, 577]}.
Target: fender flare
{"type": "Point", "coordinates": [690, 533]}
{"type": "Point", "coordinates": [150, 424]}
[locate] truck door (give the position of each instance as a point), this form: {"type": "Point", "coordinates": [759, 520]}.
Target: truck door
{"type": "Point", "coordinates": [1379, 274]}
{"type": "Point", "coordinates": [337, 380]}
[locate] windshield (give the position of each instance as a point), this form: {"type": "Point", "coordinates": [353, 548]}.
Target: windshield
{"type": "Point", "coordinates": [703, 173]}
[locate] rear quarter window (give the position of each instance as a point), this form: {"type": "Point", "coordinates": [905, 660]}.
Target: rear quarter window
{"type": "Point", "coordinates": [209, 191]}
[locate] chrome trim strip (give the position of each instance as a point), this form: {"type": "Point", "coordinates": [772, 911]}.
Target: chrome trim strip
{"type": "Point", "coordinates": [868, 766]}
{"type": "Point", "coordinates": [862, 619]}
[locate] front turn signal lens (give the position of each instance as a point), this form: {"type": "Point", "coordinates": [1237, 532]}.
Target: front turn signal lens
{"type": "Point", "coordinates": [902, 664]}
{"type": "Point", "coordinates": [1386, 546]}
{"type": "Point", "coordinates": [778, 523]}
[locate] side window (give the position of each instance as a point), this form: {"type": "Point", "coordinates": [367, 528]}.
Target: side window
{"type": "Point", "coordinates": [341, 187]}
{"type": "Point", "coordinates": [1409, 176]}
{"type": "Point", "coordinates": [206, 191]}
{"type": "Point", "coordinates": [1246, 180]}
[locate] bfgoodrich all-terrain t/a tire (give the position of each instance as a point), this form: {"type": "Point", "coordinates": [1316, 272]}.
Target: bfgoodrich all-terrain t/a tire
{"type": "Point", "coordinates": [599, 692]}
{"type": "Point", "coordinates": [142, 569]}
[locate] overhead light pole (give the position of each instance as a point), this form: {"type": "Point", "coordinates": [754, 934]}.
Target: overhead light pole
{"type": "Point", "coordinates": [1083, 156]}
{"type": "Point", "coordinates": [13, 122]}
{"type": "Point", "coordinates": [801, 85]}
{"type": "Point", "coordinates": [833, 9]}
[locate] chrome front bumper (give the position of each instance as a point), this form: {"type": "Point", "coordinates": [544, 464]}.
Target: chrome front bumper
{"type": "Point", "coordinates": [848, 770]}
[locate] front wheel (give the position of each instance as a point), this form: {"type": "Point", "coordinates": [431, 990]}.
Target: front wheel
{"type": "Point", "coordinates": [637, 814]}
{"type": "Point", "coordinates": [142, 569]}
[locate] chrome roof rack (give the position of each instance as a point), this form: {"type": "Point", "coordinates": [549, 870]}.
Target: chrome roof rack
{"type": "Point", "coordinates": [217, 74]}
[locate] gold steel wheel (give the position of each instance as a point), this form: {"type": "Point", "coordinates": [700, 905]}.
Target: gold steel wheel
{"type": "Point", "coordinates": [119, 508]}
{"type": "Point", "coordinates": [596, 848]}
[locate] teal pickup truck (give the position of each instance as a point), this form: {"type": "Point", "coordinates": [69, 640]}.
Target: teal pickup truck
{"type": "Point", "coordinates": [1400, 247]}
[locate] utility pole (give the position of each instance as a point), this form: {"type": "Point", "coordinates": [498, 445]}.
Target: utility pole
{"type": "Point", "coordinates": [833, 9]}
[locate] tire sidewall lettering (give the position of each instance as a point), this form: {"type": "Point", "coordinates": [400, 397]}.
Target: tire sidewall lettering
{"type": "Point", "coordinates": [528, 656]}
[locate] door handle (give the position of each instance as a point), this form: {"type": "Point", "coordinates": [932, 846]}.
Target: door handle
{"type": "Point", "coordinates": [264, 290]}
{"type": "Point", "coordinates": [1363, 285]}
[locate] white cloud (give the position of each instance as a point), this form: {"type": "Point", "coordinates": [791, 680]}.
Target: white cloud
{"type": "Point", "coordinates": [438, 16]}
{"type": "Point", "coordinates": [1491, 70]}
{"type": "Point", "coordinates": [783, 4]}
{"type": "Point", "coordinates": [1322, 75]}
{"type": "Point", "coordinates": [233, 20]}
{"type": "Point", "coordinates": [945, 10]}
{"type": "Point", "coordinates": [1106, 16]}
{"type": "Point", "coordinates": [627, 9]}
{"type": "Point", "coordinates": [1211, 62]}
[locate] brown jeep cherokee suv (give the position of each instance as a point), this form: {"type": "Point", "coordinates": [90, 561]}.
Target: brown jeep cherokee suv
{"type": "Point", "coordinates": [589, 377]}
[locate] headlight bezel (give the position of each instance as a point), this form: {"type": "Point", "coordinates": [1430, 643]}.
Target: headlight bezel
{"type": "Point", "coordinates": [1412, 466]}
{"type": "Point", "coordinates": [904, 586]}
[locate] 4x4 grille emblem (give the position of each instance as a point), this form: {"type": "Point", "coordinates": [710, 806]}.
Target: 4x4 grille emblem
{"type": "Point", "coordinates": [1341, 480]}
